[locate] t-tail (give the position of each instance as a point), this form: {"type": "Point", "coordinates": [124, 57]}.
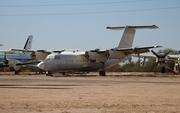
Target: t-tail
{"type": "Point", "coordinates": [28, 43]}
{"type": "Point", "coordinates": [127, 38]}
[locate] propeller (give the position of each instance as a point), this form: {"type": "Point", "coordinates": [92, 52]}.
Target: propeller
{"type": "Point", "coordinates": [5, 61]}
{"type": "Point", "coordinates": [161, 61]}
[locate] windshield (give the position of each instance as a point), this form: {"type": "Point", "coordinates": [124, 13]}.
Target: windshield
{"type": "Point", "coordinates": [50, 57]}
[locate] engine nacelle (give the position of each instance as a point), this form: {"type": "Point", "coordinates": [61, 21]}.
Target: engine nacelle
{"type": "Point", "coordinates": [113, 54]}
{"type": "Point", "coordinates": [12, 62]}
{"type": "Point", "coordinates": [96, 56]}
{"type": "Point", "coordinates": [41, 55]}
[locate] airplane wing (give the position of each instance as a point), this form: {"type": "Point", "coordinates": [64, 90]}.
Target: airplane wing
{"type": "Point", "coordinates": [144, 56]}
{"type": "Point", "coordinates": [5, 51]}
{"type": "Point", "coordinates": [19, 64]}
{"type": "Point", "coordinates": [1, 45]}
{"type": "Point", "coordinates": [173, 57]}
{"type": "Point", "coordinates": [43, 51]}
{"type": "Point", "coordinates": [136, 50]}
{"type": "Point", "coordinates": [115, 53]}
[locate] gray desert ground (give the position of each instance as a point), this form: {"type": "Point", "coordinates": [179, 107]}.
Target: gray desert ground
{"type": "Point", "coordinates": [89, 94]}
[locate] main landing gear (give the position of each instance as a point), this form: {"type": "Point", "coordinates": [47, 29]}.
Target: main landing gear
{"type": "Point", "coordinates": [102, 73]}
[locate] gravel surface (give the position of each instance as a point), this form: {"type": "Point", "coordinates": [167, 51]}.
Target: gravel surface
{"type": "Point", "coordinates": [91, 94]}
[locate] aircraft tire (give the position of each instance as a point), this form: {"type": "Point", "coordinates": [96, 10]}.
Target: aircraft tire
{"type": "Point", "coordinates": [48, 73]}
{"type": "Point", "coordinates": [102, 73]}
{"type": "Point", "coordinates": [16, 72]}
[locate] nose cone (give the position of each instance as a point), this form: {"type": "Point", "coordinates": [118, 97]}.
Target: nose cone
{"type": "Point", "coordinates": [41, 65]}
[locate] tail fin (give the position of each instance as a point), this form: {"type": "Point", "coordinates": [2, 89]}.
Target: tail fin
{"type": "Point", "coordinates": [28, 43]}
{"type": "Point", "coordinates": [128, 35]}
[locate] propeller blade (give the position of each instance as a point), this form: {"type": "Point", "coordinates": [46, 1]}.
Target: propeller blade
{"type": "Point", "coordinates": [166, 54]}
{"type": "Point", "coordinates": [164, 65]}
{"type": "Point", "coordinates": [155, 54]}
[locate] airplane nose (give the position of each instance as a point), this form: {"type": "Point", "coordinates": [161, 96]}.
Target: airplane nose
{"type": "Point", "coordinates": [41, 65]}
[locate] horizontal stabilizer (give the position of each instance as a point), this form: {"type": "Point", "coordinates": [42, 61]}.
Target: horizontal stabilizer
{"type": "Point", "coordinates": [135, 27]}
{"type": "Point", "coordinates": [24, 50]}
{"type": "Point", "coordinates": [1, 45]}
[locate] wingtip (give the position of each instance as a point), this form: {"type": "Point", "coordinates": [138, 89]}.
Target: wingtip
{"type": "Point", "coordinates": [157, 46]}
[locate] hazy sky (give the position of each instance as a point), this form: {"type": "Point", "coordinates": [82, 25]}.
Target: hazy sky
{"type": "Point", "coordinates": [81, 24]}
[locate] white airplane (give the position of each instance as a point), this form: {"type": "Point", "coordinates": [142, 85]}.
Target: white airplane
{"type": "Point", "coordinates": [15, 61]}
{"type": "Point", "coordinates": [161, 60]}
{"type": "Point", "coordinates": [94, 60]}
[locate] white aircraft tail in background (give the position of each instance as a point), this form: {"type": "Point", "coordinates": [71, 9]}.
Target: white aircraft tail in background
{"type": "Point", "coordinates": [28, 43]}
{"type": "Point", "coordinates": [16, 60]}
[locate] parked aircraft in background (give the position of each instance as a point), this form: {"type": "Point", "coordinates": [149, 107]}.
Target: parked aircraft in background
{"type": "Point", "coordinates": [162, 60]}
{"type": "Point", "coordinates": [15, 61]}
{"type": "Point", "coordinates": [38, 54]}
{"type": "Point", "coordinates": [94, 60]}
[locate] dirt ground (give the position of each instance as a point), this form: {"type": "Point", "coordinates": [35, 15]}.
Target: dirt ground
{"type": "Point", "coordinates": [90, 94]}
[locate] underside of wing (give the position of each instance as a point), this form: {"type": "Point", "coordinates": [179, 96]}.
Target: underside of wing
{"type": "Point", "coordinates": [137, 50]}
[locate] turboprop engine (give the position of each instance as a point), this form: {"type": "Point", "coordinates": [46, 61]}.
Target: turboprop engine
{"type": "Point", "coordinates": [12, 64]}
{"type": "Point", "coordinates": [96, 55]}
{"type": "Point", "coordinates": [114, 54]}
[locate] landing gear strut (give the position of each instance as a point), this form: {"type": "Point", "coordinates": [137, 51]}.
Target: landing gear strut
{"type": "Point", "coordinates": [102, 73]}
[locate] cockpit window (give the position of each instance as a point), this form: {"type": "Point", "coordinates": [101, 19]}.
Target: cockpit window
{"type": "Point", "coordinates": [50, 57]}
{"type": "Point", "coordinates": [57, 57]}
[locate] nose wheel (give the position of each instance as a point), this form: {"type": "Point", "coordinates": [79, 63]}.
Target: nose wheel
{"type": "Point", "coordinates": [48, 73]}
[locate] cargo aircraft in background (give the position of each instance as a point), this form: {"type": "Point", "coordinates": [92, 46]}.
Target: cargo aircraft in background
{"type": "Point", "coordinates": [25, 56]}
{"type": "Point", "coordinates": [162, 59]}
{"type": "Point", "coordinates": [16, 60]}
{"type": "Point", "coordinates": [93, 60]}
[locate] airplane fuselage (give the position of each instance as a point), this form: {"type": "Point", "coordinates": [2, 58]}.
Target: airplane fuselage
{"type": "Point", "coordinates": [75, 62]}
{"type": "Point", "coordinates": [19, 57]}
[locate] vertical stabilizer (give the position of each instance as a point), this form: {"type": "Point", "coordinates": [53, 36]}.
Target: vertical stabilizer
{"type": "Point", "coordinates": [28, 43]}
{"type": "Point", "coordinates": [129, 33]}
{"type": "Point", "coordinates": [127, 38]}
